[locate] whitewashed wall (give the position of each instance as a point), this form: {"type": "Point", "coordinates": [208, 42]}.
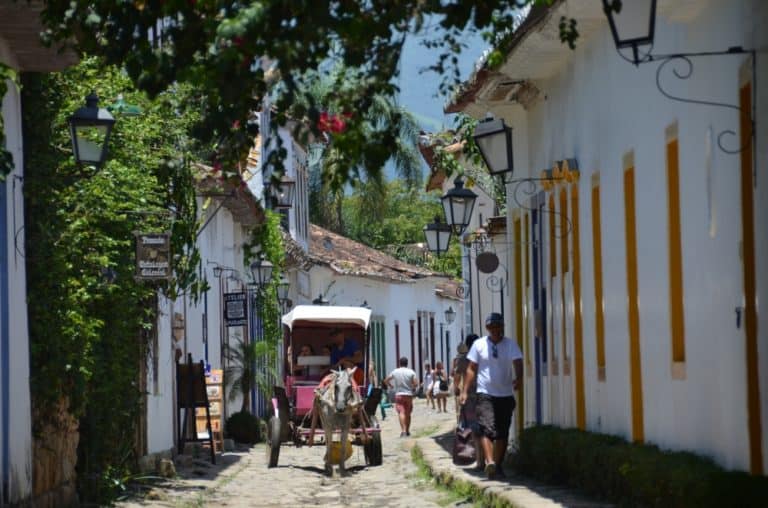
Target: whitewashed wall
{"type": "Point", "coordinates": [597, 108]}
{"type": "Point", "coordinates": [15, 415]}
{"type": "Point", "coordinates": [392, 302]}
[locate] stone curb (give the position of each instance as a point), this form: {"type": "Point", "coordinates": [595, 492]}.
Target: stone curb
{"type": "Point", "coordinates": [512, 492]}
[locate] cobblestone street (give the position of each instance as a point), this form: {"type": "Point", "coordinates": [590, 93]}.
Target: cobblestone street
{"type": "Point", "coordinates": [243, 479]}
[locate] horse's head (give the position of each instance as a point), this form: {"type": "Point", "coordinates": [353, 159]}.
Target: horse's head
{"type": "Point", "coordinates": [343, 393]}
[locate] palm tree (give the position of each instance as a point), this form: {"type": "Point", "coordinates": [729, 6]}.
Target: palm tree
{"type": "Point", "coordinates": [328, 166]}
{"type": "Point", "coordinates": [249, 365]}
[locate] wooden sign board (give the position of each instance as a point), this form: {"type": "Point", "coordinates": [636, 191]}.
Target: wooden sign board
{"type": "Point", "coordinates": [214, 388]}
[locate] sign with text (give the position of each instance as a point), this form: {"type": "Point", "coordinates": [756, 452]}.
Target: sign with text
{"type": "Point", "coordinates": [235, 306]}
{"type": "Point", "coordinates": [153, 256]}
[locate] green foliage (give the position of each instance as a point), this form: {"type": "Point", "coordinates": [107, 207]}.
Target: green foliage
{"type": "Point", "coordinates": [267, 238]}
{"type": "Point", "coordinates": [633, 474]}
{"type": "Point", "coordinates": [89, 337]}
{"type": "Point", "coordinates": [218, 46]}
{"type": "Point", "coordinates": [243, 427]}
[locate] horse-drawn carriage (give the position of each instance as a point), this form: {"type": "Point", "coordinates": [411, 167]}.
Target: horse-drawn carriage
{"type": "Point", "coordinates": [313, 392]}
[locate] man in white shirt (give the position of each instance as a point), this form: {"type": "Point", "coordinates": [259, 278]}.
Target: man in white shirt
{"type": "Point", "coordinates": [496, 363]}
{"type": "Point", "coordinates": [404, 383]}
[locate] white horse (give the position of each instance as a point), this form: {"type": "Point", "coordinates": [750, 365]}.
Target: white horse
{"type": "Point", "coordinates": [336, 400]}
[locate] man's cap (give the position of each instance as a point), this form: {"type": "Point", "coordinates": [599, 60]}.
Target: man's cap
{"type": "Point", "coordinates": [463, 349]}
{"type": "Point", "coordinates": [494, 318]}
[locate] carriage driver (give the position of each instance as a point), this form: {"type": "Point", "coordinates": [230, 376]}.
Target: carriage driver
{"type": "Point", "coordinates": [346, 352]}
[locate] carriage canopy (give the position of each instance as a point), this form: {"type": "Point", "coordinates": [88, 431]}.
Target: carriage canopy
{"type": "Point", "coordinates": [312, 315]}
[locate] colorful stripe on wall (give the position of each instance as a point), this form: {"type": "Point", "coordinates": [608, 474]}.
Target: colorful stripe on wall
{"type": "Point", "coordinates": [676, 308]}
{"type": "Point", "coordinates": [578, 339]}
{"type": "Point", "coordinates": [750, 291]}
{"type": "Point", "coordinates": [633, 311]}
{"type": "Point", "coordinates": [597, 260]}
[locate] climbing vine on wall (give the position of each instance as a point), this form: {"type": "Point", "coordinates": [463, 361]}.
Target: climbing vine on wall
{"type": "Point", "coordinates": [90, 321]}
{"type": "Point", "coordinates": [266, 240]}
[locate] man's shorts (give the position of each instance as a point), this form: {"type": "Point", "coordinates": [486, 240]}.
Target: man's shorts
{"type": "Point", "coordinates": [494, 414]}
{"type": "Point", "coordinates": [404, 403]}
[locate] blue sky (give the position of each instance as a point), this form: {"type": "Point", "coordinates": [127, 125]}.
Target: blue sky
{"type": "Point", "coordinates": [418, 91]}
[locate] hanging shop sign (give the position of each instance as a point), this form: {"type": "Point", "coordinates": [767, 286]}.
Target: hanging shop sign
{"type": "Point", "coordinates": [153, 256]}
{"type": "Point", "coordinates": [235, 306]}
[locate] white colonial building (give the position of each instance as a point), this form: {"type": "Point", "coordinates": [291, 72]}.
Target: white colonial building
{"type": "Point", "coordinates": [637, 299]}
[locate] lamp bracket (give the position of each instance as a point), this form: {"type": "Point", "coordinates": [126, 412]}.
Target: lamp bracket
{"type": "Point", "coordinates": [527, 188]}
{"type": "Point", "coordinates": [682, 68]}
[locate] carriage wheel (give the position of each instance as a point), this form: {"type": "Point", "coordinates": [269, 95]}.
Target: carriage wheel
{"type": "Point", "coordinates": [273, 441]}
{"type": "Point", "coordinates": [373, 451]}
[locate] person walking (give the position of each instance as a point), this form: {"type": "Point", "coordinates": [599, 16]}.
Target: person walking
{"type": "Point", "coordinates": [426, 385]}
{"type": "Point", "coordinates": [404, 383]}
{"type": "Point", "coordinates": [496, 365]}
{"type": "Point", "coordinates": [467, 413]}
{"type": "Point", "coordinates": [440, 388]}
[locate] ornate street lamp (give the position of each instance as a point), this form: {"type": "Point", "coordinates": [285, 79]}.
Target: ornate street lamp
{"type": "Point", "coordinates": [457, 205]}
{"type": "Point", "coordinates": [494, 140]}
{"type": "Point", "coordinates": [438, 235]}
{"type": "Point", "coordinates": [450, 315]}
{"type": "Point", "coordinates": [90, 127]}
{"type": "Point", "coordinates": [217, 271]}
{"type": "Point", "coordinates": [282, 289]}
{"type": "Point", "coordinates": [632, 24]}
{"type": "Point", "coordinates": [282, 193]}
{"type": "Point", "coordinates": [261, 270]}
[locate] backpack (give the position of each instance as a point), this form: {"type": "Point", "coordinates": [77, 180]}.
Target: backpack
{"type": "Point", "coordinates": [443, 384]}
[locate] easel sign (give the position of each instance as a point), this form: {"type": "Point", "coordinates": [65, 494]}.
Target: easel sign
{"type": "Point", "coordinates": [191, 394]}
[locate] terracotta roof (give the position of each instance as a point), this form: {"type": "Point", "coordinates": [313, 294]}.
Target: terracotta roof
{"type": "Point", "coordinates": [348, 257]}
{"type": "Point", "coordinates": [238, 199]}
{"type": "Point", "coordinates": [294, 254]}
{"type": "Point", "coordinates": [449, 289]}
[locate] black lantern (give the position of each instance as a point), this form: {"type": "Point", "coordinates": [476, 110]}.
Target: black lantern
{"type": "Point", "coordinates": [438, 235]}
{"type": "Point", "coordinates": [282, 289]}
{"type": "Point", "coordinates": [217, 271]}
{"type": "Point", "coordinates": [282, 193]}
{"type": "Point", "coordinates": [261, 270]}
{"type": "Point", "coordinates": [494, 140]}
{"type": "Point", "coordinates": [632, 24]}
{"type": "Point", "coordinates": [365, 305]}
{"type": "Point", "coordinates": [89, 128]}
{"type": "Point", "coordinates": [320, 300]}
{"type": "Point", "coordinates": [457, 205]}
{"type": "Point", "coordinates": [450, 315]}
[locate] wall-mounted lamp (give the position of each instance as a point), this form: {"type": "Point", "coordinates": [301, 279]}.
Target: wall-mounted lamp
{"type": "Point", "coordinates": [89, 128]}
{"type": "Point", "coordinates": [494, 141]}
{"type": "Point", "coordinates": [633, 25]}
{"type": "Point", "coordinates": [261, 270]}
{"type": "Point", "coordinates": [450, 315]}
{"type": "Point", "coordinates": [438, 236]}
{"type": "Point", "coordinates": [458, 204]}
{"type": "Point", "coordinates": [282, 192]}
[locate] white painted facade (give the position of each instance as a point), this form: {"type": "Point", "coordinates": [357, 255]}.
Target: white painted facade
{"type": "Point", "coordinates": [400, 307]}
{"type": "Point", "coordinates": [596, 108]}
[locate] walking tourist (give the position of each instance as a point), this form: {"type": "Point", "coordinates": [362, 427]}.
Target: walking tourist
{"type": "Point", "coordinates": [467, 412]}
{"type": "Point", "coordinates": [426, 384]}
{"type": "Point", "coordinates": [403, 382]}
{"type": "Point", "coordinates": [440, 388]}
{"type": "Point", "coordinates": [496, 365]}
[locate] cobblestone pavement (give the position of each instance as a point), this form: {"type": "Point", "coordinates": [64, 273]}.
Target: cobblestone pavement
{"type": "Point", "coordinates": [242, 478]}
